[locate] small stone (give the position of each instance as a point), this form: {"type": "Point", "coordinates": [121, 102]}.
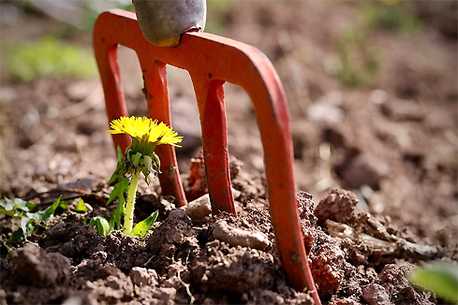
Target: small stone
{"type": "Point", "coordinates": [200, 208]}
{"type": "Point", "coordinates": [326, 112]}
{"type": "Point", "coordinates": [7, 95]}
{"type": "Point", "coordinates": [378, 96]}
{"type": "Point", "coordinates": [239, 237]}
{"type": "Point", "coordinates": [332, 97]}
{"type": "Point", "coordinates": [143, 277]}
{"type": "Point", "coordinates": [375, 294]}
{"type": "Point", "coordinates": [64, 167]}
{"type": "Point", "coordinates": [326, 108]}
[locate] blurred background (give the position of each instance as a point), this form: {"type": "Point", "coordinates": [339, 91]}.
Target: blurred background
{"type": "Point", "coordinates": [371, 88]}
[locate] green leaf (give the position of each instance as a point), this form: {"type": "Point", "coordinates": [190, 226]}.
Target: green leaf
{"type": "Point", "coordinates": [115, 220]}
{"type": "Point", "coordinates": [17, 235]}
{"type": "Point", "coordinates": [142, 228]}
{"type": "Point", "coordinates": [63, 205]}
{"type": "Point", "coordinates": [4, 245]}
{"type": "Point", "coordinates": [22, 204]}
{"type": "Point", "coordinates": [119, 189]}
{"type": "Point", "coordinates": [101, 225]}
{"type": "Point", "coordinates": [28, 226]}
{"type": "Point", "coordinates": [46, 214]}
{"type": "Point", "coordinates": [119, 154]}
{"type": "Point", "coordinates": [438, 277]}
{"type": "Point", "coordinates": [29, 221]}
{"type": "Point", "coordinates": [15, 207]}
{"type": "Point", "coordinates": [81, 208]}
{"type": "Point", "coordinates": [121, 168]}
{"type": "Point", "coordinates": [119, 173]}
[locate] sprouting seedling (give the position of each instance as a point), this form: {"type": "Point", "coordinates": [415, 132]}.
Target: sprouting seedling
{"type": "Point", "coordinates": [30, 221]}
{"type": "Point", "coordinates": [140, 157]}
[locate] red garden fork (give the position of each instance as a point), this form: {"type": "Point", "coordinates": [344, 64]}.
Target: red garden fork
{"type": "Point", "coordinates": [211, 60]}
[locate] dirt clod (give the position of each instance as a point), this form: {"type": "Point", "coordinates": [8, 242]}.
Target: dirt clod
{"type": "Point", "coordinates": [143, 277]}
{"type": "Point", "coordinates": [174, 230]}
{"type": "Point", "coordinates": [375, 294]}
{"type": "Point", "coordinates": [123, 250]}
{"type": "Point", "coordinates": [339, 206]}
{"type": "Point", "coordinates": [33, 265]}
{"type": "Point", "coordinates": [233, 269]}
{"type": "Point", "coordinates": [394, 281]}
{"type": "Point", "coordinates": [174, 239]}
{"type": "Point", "coordinates": [114, 288]}
{"type": "Point", "coordinates": [326, 256]}
{"type": "Point", "coordinates": [73, 240]}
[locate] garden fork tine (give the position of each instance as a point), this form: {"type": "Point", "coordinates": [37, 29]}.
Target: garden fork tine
{"type": "Point", "coordinates": [157, 95]}
{"type": "Point", "coordinates": [211, 60]}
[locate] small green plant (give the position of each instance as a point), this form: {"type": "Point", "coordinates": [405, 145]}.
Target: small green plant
{"type": "Point", "coordinates": [48, 57]}
{"type": "Point", "coordinates": [139, 159]}
{"type": "Point", "coordinates": [30, 221]}
{"type": "Point", "coordinates": [390, 15]}
{"type": "Point", "coordinates": [101, 225]}
{"type": "Point", "coordinates": [438, 277]}
{"type": "Point", "coordinates": [359, 60]}
{"type": "Point", "coordinates": [80, 207]}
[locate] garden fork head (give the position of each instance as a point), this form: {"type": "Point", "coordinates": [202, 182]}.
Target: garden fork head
{"type": "Point", "coordinates": [211, 60]}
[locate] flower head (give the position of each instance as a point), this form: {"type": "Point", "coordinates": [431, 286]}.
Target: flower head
{"type": "Point", "coordinates": [146, 135]}
{"type": "Point", "coordinates": [145, 130]}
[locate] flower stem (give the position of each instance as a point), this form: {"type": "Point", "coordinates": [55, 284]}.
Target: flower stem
{"type": "Point", "coordinates": [131, 194]}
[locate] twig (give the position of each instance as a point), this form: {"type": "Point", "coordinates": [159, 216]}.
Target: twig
{"type": "Point", "coordinates": [397, 248]}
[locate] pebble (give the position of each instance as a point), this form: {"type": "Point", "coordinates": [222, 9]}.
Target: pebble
{"type": "Point", "coordinates": [199, 208]}
{"type": "Point", "coordinates": [7, 95]}
{"type": "Point", "coordinates": [325, 112]}
{"type": "Point", "coordinates": [375, 294]}
{"type": "Point", "coordinates": [143, 277]}
{"type": "Point", "coordinates": [239, 237]}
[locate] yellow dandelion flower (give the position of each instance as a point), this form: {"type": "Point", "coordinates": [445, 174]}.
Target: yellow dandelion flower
{"type": "Point", "coordinates": [146, 133]}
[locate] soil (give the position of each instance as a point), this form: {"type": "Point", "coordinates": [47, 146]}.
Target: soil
{"type": "Point", "coordinates": [376, 172]}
